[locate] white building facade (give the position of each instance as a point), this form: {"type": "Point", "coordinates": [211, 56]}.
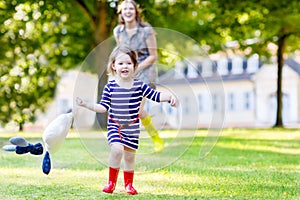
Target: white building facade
{"type": "Point", "coordinates": [72, 84]}
{"type": "Point", "coordinates": [230, 93]}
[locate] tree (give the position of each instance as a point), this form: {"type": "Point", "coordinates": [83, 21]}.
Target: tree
{"type": "Point", "coordinates": [40, 38]}
{"type": "Point", "coordinates": [36, 41]}
{"type": "Point", "coordinates": [255, 25]}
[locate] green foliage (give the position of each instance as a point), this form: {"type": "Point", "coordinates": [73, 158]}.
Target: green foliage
{"type": "Point", "coordinates": [38, 40]}
{"type": "Point", "coordinates": [244, 164]}
{"type": "Point", "coordinates": [255, 24]}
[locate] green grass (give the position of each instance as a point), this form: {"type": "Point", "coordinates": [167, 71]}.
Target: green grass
{"type": "Point", "coordinates": [244, 164]}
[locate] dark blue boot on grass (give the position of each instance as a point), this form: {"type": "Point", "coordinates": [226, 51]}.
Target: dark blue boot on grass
{"type": "Point", "coordinates": [36, 149]}
{"type": "Point", "coordinates": [46, 163]}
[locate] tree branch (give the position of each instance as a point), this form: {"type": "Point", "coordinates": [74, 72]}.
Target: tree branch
{"type": "Point", "coordinates": [87, 12]}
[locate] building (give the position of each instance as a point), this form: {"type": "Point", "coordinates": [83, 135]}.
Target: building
{"type": "Point", "coordinates": [234, 92]}
{"type": "Point", "coordinates": [73, 83]}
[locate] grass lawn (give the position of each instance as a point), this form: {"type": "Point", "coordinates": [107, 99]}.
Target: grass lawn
{"type": "Point", "coordinates": [243, 164]}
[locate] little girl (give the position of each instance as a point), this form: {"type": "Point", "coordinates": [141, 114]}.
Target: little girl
{"type": "Point", "coordinates": [121, 98]}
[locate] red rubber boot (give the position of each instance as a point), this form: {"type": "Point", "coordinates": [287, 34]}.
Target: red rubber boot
{"type": "Point", "coordinates": [128, 179]}
{"type": "Point", "coordinates": [112, 181]}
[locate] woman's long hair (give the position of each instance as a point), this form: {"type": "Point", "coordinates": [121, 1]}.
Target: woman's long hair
{"type": "Point", "coordinates": [137, 13]}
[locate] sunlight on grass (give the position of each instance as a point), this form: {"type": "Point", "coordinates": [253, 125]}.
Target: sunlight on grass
{"type": "Point", "coordinates": [283, 150]}
{"type": "Point", "coordinates": [265, 134]}
{"type": "Point", "coordinates": [29, 176]}
{"type": "Point", "coordinates": [243, 164]}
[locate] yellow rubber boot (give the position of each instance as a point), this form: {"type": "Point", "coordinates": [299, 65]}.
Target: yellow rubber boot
{"type": "Point", "coordinates": [158, 142]}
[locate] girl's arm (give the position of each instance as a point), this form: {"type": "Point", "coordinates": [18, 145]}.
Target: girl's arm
{"type": "Point", "coordinates": [159, 96]}
{"type": "Point", "coordinates": [91, 106]}
{"type": "Point", "coordinates": [167, 96]}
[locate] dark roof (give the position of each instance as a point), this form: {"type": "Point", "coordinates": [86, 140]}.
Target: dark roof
{"type": "Point", "coordinates": [294, 65]}
{"type": "Point", "coordinates": [169, 78]}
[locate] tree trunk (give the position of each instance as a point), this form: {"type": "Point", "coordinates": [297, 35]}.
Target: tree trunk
{"type": "Point", "coordinates": [101, 33]}
{"type": "Point", "coordinates": [280, 62]}
{"type": "Point", "coordinates": [21, 127]}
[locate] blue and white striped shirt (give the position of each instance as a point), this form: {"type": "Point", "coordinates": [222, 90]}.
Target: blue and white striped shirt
{"type": "Point", "coordinates": [123, 109]}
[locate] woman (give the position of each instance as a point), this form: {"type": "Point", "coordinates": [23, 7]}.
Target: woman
{"type": "Point", "coordinates": [140, 36]}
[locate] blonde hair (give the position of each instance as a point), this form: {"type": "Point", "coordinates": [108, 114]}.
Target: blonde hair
{"type": "Point", "coordinates": [116, 51]}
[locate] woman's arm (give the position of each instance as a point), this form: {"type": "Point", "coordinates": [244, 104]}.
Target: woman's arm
{"type": "Point", "coordinates": [115, 31]}
{"type": "Point", "coordinates": [152, 48]}
{"type": "Point", "coordinates": [93, 107]}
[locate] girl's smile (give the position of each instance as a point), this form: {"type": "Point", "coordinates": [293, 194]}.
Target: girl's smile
{"type": "Point", "coordinates": [124, 67]}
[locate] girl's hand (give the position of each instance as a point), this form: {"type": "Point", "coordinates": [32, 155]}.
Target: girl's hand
{"type": "Point", "coordinates": [173, 101]}
{"type": "Point", "coordinates": [80, 102]}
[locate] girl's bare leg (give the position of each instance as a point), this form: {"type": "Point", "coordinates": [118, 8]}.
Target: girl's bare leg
{"type": "Point", "coordinates": [115, 156]}
{"type": "Point", "coordinates": [129, 164]}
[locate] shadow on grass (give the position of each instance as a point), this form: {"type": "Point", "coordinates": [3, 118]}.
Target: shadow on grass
{"type": "Point", "coordinates": [236, 168]}
{"type": "Point", "coordinates": [228, 151]}
{"type": "Point", "coordinates": [218, 184]}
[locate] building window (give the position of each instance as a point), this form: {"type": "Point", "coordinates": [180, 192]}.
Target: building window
{"type": "Point", "coordinates": [231, 102]}
{"type": "Point", "coordinates": [253, 64]}
{"type": "Point", "coordinates": [200, 103]}
{"type": "Point", "coordinates": [248, 101]}
{"type": "Point", "coordinates": [223, 66]}
{"type": "Point", "coordinates": [215, 102]}
{"type": "Point", "coordinates": [186, 105]}
{"type": "Point", "coordinates": [207, 68]}
{"type": "Point", "coordinates": [237, 65]}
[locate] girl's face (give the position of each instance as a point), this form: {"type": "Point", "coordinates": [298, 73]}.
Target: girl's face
{"type": "Point", "coordinates": [128, 12]}
{"type": "Point", "coordinates": [123, 66]}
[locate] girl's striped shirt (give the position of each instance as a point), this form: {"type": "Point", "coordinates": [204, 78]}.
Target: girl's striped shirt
{"type": "Point", "coordinates": [123, 111]}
